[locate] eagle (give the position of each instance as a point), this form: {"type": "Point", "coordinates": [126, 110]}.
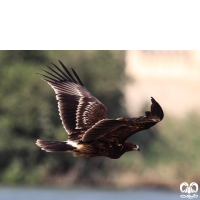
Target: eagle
{"type": "Point", "coordinates": [90, 133]}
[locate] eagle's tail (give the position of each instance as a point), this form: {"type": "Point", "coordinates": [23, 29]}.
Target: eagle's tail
{"type": "Point", "coordinates": [55, 146]}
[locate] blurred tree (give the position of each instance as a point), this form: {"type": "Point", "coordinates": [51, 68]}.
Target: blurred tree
{"type": "Point", "coordinates": [11, 57]}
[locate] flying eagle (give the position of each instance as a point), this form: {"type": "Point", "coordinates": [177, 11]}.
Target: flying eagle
{"type": "Point", "coordinates": [83, 116]}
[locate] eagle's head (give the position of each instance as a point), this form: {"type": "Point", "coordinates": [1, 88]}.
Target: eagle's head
{"type": "Point", "coordinates": [129, 146]}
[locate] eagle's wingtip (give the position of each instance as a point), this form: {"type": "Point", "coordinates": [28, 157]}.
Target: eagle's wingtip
{"type": "Point", "coordinates": [60, 62]}
{"type": "Point", "coordinates": [152, 100]}
{"type": "Point", "coordinates": [156, 109]}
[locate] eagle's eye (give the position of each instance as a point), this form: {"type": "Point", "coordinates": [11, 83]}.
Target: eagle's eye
{"type": "Point", "coordinates": [137, 148]}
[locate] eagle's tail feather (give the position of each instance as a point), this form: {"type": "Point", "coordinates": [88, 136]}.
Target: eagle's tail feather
{"type": "Point", "coordinates": [55, 146]}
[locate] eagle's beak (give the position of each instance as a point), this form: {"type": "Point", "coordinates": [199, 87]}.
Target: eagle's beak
{"type": "Point", "coordinates": [138, 148]}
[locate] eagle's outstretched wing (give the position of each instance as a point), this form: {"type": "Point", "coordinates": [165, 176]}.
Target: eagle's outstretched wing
{"type": "Point", "coordinates": [79, 110]}
{"type": "Point", "coordinates": [120, 129]}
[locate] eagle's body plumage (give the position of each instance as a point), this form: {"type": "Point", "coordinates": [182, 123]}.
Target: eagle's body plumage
{"type": "Point", "coordinates": [83, 116]}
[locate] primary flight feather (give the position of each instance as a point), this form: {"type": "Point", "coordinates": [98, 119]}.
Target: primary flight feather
{"type": "Point", "coordinates": [83, 116]}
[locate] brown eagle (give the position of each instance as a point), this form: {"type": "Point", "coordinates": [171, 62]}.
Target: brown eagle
{"type": "Point", "coordinates": [83, 116]}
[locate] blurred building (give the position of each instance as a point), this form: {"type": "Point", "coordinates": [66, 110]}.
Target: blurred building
{"type": "Point", "coordinates": [171, 77]}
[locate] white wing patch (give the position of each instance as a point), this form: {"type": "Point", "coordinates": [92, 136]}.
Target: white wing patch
{"type": "Point", "coordinates": [82, 116]}
{"type": "Point", "coordinates": [78, 112]}
{"type": "Point", "coordinates": [87, 111]}
{"type": "Point", "coordinates": [74, 144]}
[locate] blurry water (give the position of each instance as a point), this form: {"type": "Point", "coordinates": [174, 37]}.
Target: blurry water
{"type": "Point", "coordinates": [9, 193]}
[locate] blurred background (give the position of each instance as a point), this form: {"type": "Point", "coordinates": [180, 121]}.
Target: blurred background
{"type": "Point", "coordinates": [123, 81]}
